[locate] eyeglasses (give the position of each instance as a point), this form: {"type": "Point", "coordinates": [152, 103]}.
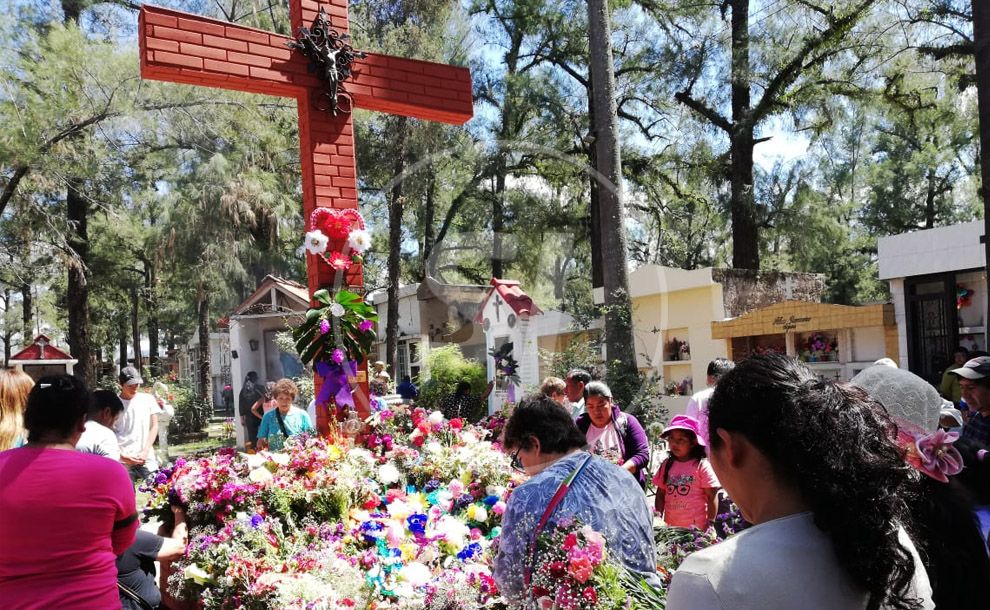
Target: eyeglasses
{"type": "Point", "coordinates": [515, 463]}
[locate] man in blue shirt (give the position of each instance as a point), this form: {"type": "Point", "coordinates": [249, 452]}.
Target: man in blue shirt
{"type": "Point", "coordinates": [407, 390]}
{"type": "Point", "coordinates": [974, 381]}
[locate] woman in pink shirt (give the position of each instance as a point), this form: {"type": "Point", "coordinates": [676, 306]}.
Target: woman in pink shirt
{"type": "Point", "coordinates": [66, 514]}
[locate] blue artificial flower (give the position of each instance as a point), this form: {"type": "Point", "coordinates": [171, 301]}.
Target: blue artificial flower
{"type": "Point", "coordinates": [490, 500]}
{"type": "Point", "coordinates": [372, 531]}
{"type": "Point", "coordinates": [431, 485]}
{"type": "Point", "coordinates": [469, 551]}
{"type": "Point", "coordinates": [417, 523]}
{"type": "Point", "coordinates": [256, 520]}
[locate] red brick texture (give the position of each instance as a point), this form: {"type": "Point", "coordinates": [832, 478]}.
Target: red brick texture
{"type": "Point", "coordinates": [185, 48]}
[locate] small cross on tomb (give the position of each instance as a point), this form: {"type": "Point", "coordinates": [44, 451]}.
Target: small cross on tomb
{"type": "Point", "coordinates": [497, 303]}
{"type": "Point", "coordinates": [184, 48]}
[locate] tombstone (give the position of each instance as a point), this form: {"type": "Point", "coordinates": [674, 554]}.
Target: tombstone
{"type": "Point", "coordinates": [505, 315]}
{"type": "Point", "coordinates": [41, 358]}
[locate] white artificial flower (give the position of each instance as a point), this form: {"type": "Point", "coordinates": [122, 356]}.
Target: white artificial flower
{"type": "Point", "coordinates": [254, 460]}
{"type": "Point", "coordinates": [388, 473]}
{"type": "Point", "coordinates": [415, 573]}
{"type": "Point", "coordinates": [337, 310]}
{"type": "Point", "coordinates": [281, 459]}
{"type": "Point", "coordinates": [359, 240]}
{"type": "Point", "coordinates": [195, 573]}
{"type": "Point", "coordinates": [260, 475]}
{"type": "Point", "coordinates": [436, 418]}
{"type": "Point", "coordinates": [316, 242]}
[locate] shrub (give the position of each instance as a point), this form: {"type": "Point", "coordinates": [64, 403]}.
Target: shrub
{"type": "Point", "coordinates": [447, 367]}
{"type": "Point", "coordinates": [192, 413]}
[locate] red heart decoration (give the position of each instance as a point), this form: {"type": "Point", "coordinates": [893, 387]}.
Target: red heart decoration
{"type": "Point", "coordinates": [336, 224]}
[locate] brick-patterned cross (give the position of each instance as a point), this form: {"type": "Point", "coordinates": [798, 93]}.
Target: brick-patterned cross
{"type": "Point", "coordinates": [184, 48]}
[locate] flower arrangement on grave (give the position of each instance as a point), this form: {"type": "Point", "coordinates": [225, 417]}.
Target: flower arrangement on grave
{"type": "Point", "coordinates": [338, 237]}
{"type": "Point", "coordinates": [506, 368]}
{"type": "Point", "coordinates": [335, 336]}
{"type": "Point", "coordinates": [820, 348]}
{"type": "Point", "coordinates": [405, 520]}
{"type": "Point", "coordinates": [684, 351]}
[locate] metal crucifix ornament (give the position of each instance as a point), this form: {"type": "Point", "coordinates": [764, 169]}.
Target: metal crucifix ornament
{"type": "Point", "coordinates": [330, 56]}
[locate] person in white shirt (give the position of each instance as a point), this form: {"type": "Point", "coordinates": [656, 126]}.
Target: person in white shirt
{"type": "Point", "coordinates": [574, 389]}
{"type": "Point", "coordinates": [99, 437]}
{"type": "Point", "coordinates": [137, 427]}
{"type": "Point", "coordinates": [812, 464]}
{"type": "Point", "coordinates": [699, 402]}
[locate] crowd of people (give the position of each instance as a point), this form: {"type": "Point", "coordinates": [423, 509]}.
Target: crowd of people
{"type": "Point", "coordinates": [857, 495]}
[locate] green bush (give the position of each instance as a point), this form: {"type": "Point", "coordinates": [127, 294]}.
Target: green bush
{"type": "Point", "coordinates": [447, 367]}
{"type": "Point", "coordinates": [192, 413]}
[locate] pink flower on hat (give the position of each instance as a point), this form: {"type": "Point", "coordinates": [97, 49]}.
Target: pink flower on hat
{"type": "Point", "coordinates": [939, 458]}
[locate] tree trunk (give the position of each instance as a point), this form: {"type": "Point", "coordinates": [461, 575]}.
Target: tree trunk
{"type": "Point", "coordinates": [618, 328]}
{"type": "Point", "coordinates": [594, 208]}
{"type": "Point", "coordinates": [122, 340]}
{"type": "Point", "coordinates": [981, 40]}
{"type": "Point", "coordinates": [77, 297]}
{"type": "Point", "coordinates": [429, 233]}
{"type": "Point", "coordinates": [8, 331]}
{"type": "Point", "coordinates": [205, 377]}
{"type": "Point", "coordinates": [395, 205]}
{"type": "Point", "coordinates": [151, 310]}
{"type": "Point", "coordinates": [136, 329]}
{"type": "Point", "coordinates": [498, 217]}
{"type": "Point", "coordinates": [745, 232]}
{"type": "Point", "coordinates": [27, 312]}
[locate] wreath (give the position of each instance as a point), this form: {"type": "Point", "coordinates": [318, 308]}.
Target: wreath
{"type": "Point", "coordinates": [505, 364]}
{"type": "Point", "coordinates": [338, 237]}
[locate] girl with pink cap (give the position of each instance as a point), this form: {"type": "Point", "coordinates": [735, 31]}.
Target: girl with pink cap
{"type": "Point", "coordinates": [686, 484]}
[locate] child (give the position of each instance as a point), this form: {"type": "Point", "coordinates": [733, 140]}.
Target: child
{"type": "Point", "coordinates": [686, 484]}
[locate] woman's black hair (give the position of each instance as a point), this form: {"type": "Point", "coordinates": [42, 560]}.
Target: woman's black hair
{"type": "Point", "coordinates": [56, 405]}
{"type": "Point", "coordinates": [463, 387]}
{"type": "Point", "coordinates": [834, 444]}
{"type": "Point", "coordinates": [541, 417]}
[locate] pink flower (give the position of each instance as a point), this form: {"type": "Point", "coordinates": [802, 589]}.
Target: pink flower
{"type": "Point", "coordinates": [570, 541]}
{"type": "Point", "coordinates": [339, 262]}
{"type": "Point", "coordinates": [365, 325]}
{"type": "Point", "coordinates": [939, 458]}
{"type": "Point", "coordinates": [590, 594]}
{"type": "Point", "coordinates": [324, 327]}
{"type": "Point", "coordinates": [580, 568]}
{"type": "Point", "coordinates": [338, 355]}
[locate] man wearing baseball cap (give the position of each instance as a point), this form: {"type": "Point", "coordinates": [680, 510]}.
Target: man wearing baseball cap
{"type": "Point", "coordinates": [137, 427]}
{"type": "Point", "coordinates": [974, 381]}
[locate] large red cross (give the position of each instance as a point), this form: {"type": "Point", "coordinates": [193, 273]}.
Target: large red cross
{"type": "Point", "coordinates": [184, 48]}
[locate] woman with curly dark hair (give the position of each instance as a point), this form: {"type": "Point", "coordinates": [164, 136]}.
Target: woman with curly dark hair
{"type": "Point", "coordinates": [812, 465]}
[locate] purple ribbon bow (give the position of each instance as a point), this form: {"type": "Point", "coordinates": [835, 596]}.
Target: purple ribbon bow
{"type": "Point", "coordinates": [335, 382]}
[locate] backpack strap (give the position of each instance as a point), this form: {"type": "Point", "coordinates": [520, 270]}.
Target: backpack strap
{"type": "Point", "coordinates": [281, 423]}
